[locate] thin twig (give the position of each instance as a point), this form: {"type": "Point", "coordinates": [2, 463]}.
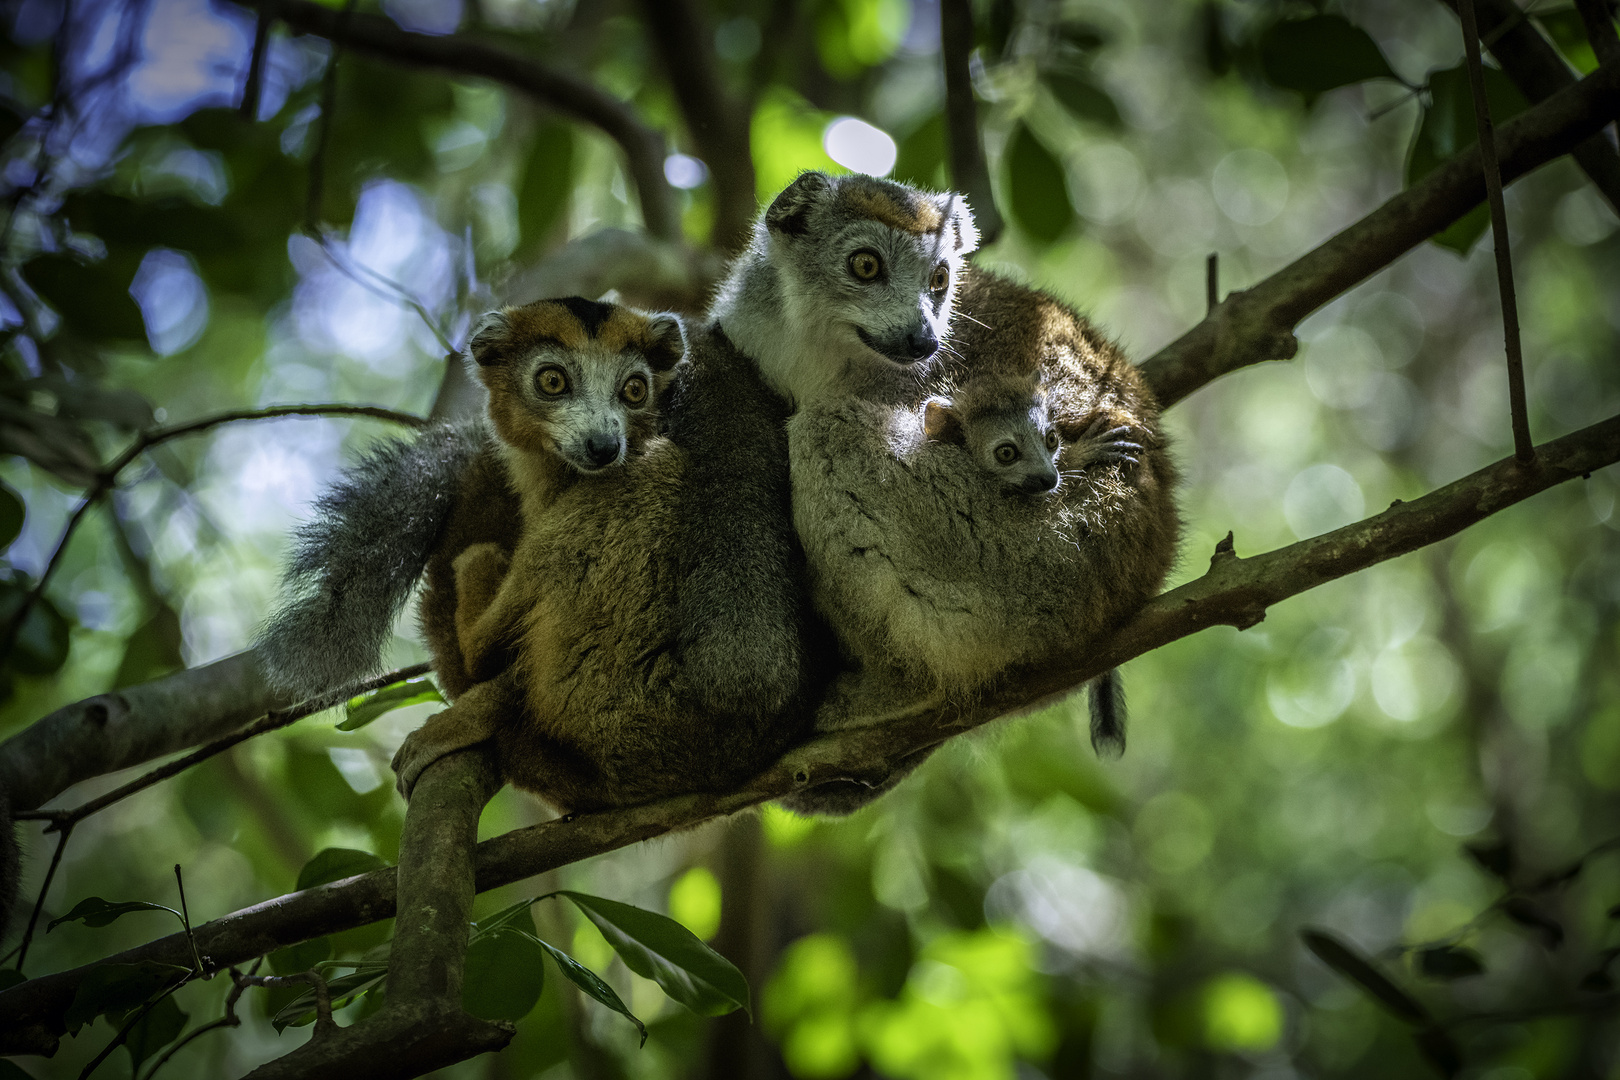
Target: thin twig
{"type": "Point", "coordinates": [129, 1025]}
{"type": "Point", "coordinates": [230, 1019]}
{"type": "Point", "coordinates": [39, 901]}
{"type": "Point", "coordinates": [317, 157]}
{"type": "Point", "coordinates": [383, 286]}
{"type": "Point", "coordinates": [185, 921]}
{"type": "Point", "coordinates": [1523, 449]}
{"type": "Point", "coordinates": [312, 978]}
{"type": "Point", "coordinates": [255, 73]}
{"type": "Point", "coordinates": [1212, 281]}
{"type": "Point", "coordinates": [66, 819]}
{"type": "Point", "coordinates": [108, 477]}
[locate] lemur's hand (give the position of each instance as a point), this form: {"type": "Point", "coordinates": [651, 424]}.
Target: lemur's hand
{"type": "Point", "coordinates": [468, 722]}
{"type": "Point", "coordinates": [1100, 444]}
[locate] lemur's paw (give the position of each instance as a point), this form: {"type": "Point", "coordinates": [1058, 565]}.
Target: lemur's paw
{"type": "Point", "coordinates": [419, 750]}
{"type": "Point", "coordinates": [1103, 445]}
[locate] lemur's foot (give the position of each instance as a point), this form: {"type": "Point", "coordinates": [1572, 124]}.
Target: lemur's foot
{"type": "Point", "coordinates": [1103, 445]}
{"type": "Point", "coordinates": [443, 734]}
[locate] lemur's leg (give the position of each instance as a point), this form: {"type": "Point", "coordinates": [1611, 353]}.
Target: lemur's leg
{"type": "Point", "coordinates": [482, 619]}
{"type": "Point", "coordinates": [1101, 444]}
{"type": "Point", "coordinates": [474, 718]}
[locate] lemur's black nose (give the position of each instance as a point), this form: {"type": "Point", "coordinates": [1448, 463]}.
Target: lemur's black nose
{"type": "Point", "coordinates": [1039, 482]}
{"type": "Point", "coordinates": [602, 449]}
{"type": "Point", "coordinates": [921, 342]}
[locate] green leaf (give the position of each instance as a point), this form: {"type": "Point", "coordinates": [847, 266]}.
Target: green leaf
{"type": "Point", "coordinates": [153, 650]}
{"type": "Point", "coordinates": [588, 981]}
{"type": "Point", "coordinates": [335, 864]}
{"type": "Point", "coordinates": [95, 911]}
{"type": "Point", "coordinates": [12, 513]}
{"type": "Point", "coordinates": [1359, 970]}
{"type": "Point", "coordinates": [162, 1024]}
{"type": "Point", "coordinates": [1447, 129]}
{"type": "Point", "coordinates": [1037, 188]}
{"type": "Point", "coordinates": [504, 918]}
{"type": "Point", "coordinates": [301, 957]}
{"type": "Point", "coordinates": [1449, 962]}
{"type": "Point", "coordinates": [506, 971]}
{"type": "Point", "coordinates": [364, 709]}
{"type": "Point", "coordinates": [1081, 95]}
{"type": "Point", "coordinates": [548, 182]}
{"type": "Point", "coordinates": [301, 1010]}
{"type": "Point", "coordinates": [1320, 53]}
{"type": "Point", "coordinates": [92, 298]}
{"type": "Point", "coordinates": [1568, 32]}
{"type": "Point", "coordinates": [118, 988]}
{"type": "Point", "coordinates": [42, 643]}
{"type": "Point", "coordinates": [659, 948]}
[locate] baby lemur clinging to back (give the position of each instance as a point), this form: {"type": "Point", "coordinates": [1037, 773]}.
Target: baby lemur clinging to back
{"type": "Point", "coordinates": [567, 638]}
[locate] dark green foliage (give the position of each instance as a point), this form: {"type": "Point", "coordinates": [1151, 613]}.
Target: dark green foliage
{"type": "Point", "coordinates": [548, 182]}
{"type": "Point", "coordinates": [301, 957]}
{"type": "Point", "coordinates": [1037, 189]}
{"type": "Point", "coordinates": [92, 297]}
{"type": "Point", "coordinates": [921, 158]}
{"type": "Point", "coordinates": [364, 709]}
{"type": "Point", "coordinates": [1081, 95]}
{"type": "Point", "coordinates": [11, 516]}
{"type": "Point", "coordinates": [1449, 962]}
{"type": "Point", "coordinates": [161, 1025]}
{"type": "Point", "coordinates": [153, 650]}
{"type": "Point", "coordinates": [335, 864]}
{"type": "Point", "coordinates": [506, 972]}
{"type": "Point", "coordinates": [96, 912]}
{"type": "Point", "coordinates": [1448, 128]}
{"type": "Point", "coordinates": [42, 642]}
{"type": "Point", "coordinates": [116, 989]}
{"type": "Point", "coordinates": [1320, 53]}
{"type": "Point", "coordinates": [588, 981]}
{"type": "Point", "coordinates": [657, 947]}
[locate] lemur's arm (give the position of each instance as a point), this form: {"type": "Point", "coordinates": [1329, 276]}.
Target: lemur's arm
{"type": "Point", "coordinates": [741, 593]}
{"type": "Point", "coordinates": [488, 608]}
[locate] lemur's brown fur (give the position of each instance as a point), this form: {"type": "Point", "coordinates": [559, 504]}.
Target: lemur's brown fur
{"type": "Point", "coordinates": [555, 628]}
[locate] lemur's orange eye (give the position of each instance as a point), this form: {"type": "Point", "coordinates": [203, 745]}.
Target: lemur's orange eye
{"type": "Point", "coordinates": [1006, 453]}
{"type": "Point", "coordinates": [635, 390]}
{"type": "Point", "coordinates": [865, 265]}
{"type": "Point", "coordinates": [551, 381]}
{"type": "Point", "coordinates": [1052, 440]}
{"type": "Point", "coordinates": [940, 280]}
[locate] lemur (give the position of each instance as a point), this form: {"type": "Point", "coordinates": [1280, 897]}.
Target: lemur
{"type": "Point", "coordinates": [569, 638]}
{"type": "Point", "coordinates": [936, 583]}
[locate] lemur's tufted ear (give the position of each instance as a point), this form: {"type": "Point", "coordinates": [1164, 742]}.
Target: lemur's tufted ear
{"type": "Point", "coordinates": [960, 229]}
{"type": "Point", "coordinates": [489, 341]}
{"type": "Point", "coordinates": [941, 423]}
{"type": "Point", "coordinates": [789, 212]}
{"type": "Point", "coordinates": [666, 341]}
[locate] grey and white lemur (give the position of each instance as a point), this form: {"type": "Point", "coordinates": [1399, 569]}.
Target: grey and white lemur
{"type": "Point", "coordinates": [936, 581]}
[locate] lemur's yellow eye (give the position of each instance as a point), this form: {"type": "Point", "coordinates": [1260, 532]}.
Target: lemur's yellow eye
{"type": "Point", "coordinates": [1006, 453]}
{"type": "Point", "coordinates": [940, 280]}
{"type": "Point", "coordinates": [865, 265]}
{"type": "Point", "coordinates": [551, 381]}
{"type": "Point", "coordinates": [1052, 440]}
{"type": "Point", "coordinates": [635, 390]}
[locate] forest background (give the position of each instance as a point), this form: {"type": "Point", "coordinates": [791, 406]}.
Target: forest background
{"type": "Point", "coordinates": [1421, 760]}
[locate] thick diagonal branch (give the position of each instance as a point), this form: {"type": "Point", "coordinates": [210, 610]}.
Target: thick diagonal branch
{"type": "Point", "coordinates": [1235, 592]}
{"type": "Point", "coordinates": [1257, 324]}
{"type": "Point", "coordinates": [380, 37]}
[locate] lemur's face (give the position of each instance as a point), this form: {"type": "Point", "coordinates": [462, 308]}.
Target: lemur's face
{"type": "Point", "coordinates": [1009, 434]}
{"type": "Point", "coordinates": [872, 262]}
{"type": "Point", "coordinates": [576, 378]}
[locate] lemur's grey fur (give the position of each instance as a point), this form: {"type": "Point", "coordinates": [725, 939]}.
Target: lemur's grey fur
{"type": "Point", "coordinates": [355, 561]}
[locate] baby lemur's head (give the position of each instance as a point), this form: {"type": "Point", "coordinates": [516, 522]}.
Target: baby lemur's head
{"type": "Point", "coordinates": [576, 378]}
{"type": "Point", "coordinates": [1003, 422]}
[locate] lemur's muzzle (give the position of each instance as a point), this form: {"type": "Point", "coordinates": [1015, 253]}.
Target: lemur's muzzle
{"type": "Point", "coordinates": [916, 345]}
{"type": "Point", "coordinates": [603, 449]}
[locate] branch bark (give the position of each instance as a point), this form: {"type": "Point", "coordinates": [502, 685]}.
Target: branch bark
{"type": "Point", "coordinates": [1534, 66]}
{"type": "Point", "coordinates": [1235, 592]}
{"type": "Point", "coordinates": [1257, 324]}
{"type": "Point", "coordinates": [374, 35]}
{"type": "Point", "coordinates": [718, 123]}
{"type": "Point", "coordinates": [969, 172]}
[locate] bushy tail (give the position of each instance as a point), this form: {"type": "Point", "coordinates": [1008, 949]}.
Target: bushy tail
{"type": "Point", "coordinates": [354, 563]}
{"type": "Point", "coordinates": [1107, 714]}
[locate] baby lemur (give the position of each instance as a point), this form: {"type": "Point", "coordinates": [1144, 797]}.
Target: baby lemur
{"type": "Point", "coordinates": [566, 641]}
{"type": "Point", "coordinates": [938, 580]}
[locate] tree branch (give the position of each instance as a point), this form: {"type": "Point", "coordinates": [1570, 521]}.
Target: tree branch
{"type": "Point", "coordinates": [375, 35]}
{"type": "Point", "coordinates": [969, 173]}
{"type": "Point", "coordinates": [1257, 324]}
{"type": "Point", "coordinates": [679, 30]}
{"type": "Point", "coordinates": [1535, 67]}
{"type": "Point", "coordinates": [1599, 24]}
{"type": "Point", "coordinates": [1235, 592]}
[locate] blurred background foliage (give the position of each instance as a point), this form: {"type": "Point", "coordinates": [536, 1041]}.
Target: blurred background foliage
{"type": "Point", "coordinates": [1017, 909]}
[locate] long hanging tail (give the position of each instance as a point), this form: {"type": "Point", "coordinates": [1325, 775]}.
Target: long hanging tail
{"type": "Point", "coordinates": [355, 561]}
{"type": "Point", "coordinates": [1107, 695]}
